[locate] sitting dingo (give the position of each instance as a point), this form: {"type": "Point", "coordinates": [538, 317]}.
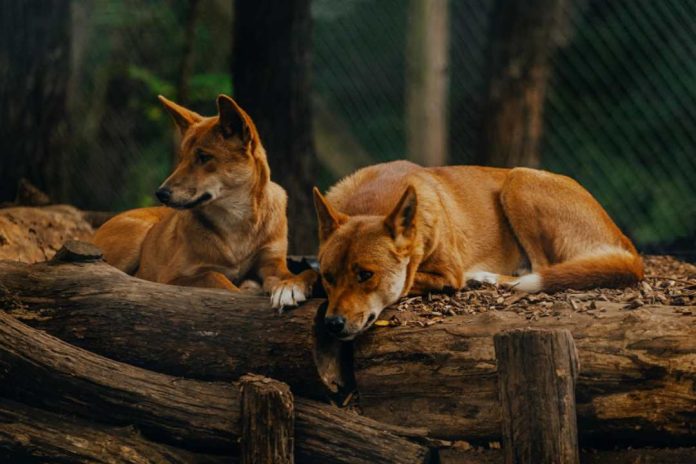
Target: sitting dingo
{"type": "Point", "coordinates": [226, 219]}
{"type": "Point", "coordinates": [397, 228]}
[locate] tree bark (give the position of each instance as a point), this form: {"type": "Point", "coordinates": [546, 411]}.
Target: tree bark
{"type": "Point", "coordinates": [524, 36]}
{"type": "Point", "coordinates": [355, 440]}
{"type": "Point", "coordinates": [271, 68]}
{"type": "Point", "coordinates": [268, 421]}
{"type": "Point", "coordinates": [42, 371]}
{"type": "Point", "coordinates": [427, 78]}
{"type": "Point", "coordinates": [34, 65]}
{"type": "Point", "coordinates": [201, 333]}
{"type": "Point", "coordinates": [635, 384]}
{"type": "Point", "coordinates": [537, 370]}
{"type": "Point", "coordinates": [587, 456]}
{"type": "Point", "coordinates": [33, 435]}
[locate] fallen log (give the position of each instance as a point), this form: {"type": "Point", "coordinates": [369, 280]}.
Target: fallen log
{"type": "Point", "coordinates": [638, 367]}
{"type": "Point", "coordinates": [204, 334]}
{"type": "Point", "coordinates": [587, 456]}
{"type": "Point", "coordinates": [33, 435]}
{"type": "Point", "coordinates": [43, 371]}
{"type": "Point", "coordinates": [636, 380]}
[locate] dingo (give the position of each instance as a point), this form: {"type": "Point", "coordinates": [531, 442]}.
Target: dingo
{"type": "Point", "coordinates": [397, 228]}
{"type": "Point", "coordinates": [226, 219]}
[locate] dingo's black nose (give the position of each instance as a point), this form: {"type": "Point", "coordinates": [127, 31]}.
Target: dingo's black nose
{"type": "Point", "coordinates": [164, 195]}
{"type": "Point", "coordinates": [334, 324]}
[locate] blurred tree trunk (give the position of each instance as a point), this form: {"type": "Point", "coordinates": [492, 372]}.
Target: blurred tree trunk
{"type": "Point", "coordinates": [427, 78]}
{"type": "Point", "coordinates": [185, 67]}
{"type": "Point", "coordinates": [34, 72]}
{"type": "Point", "coordinates": [271, 66]}
{"type": "Point", "coordinates": [524, 36]}
{"type": "Point", "coordinates": [186, 64]}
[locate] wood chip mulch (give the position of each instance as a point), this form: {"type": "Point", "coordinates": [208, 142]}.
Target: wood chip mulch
{"type": "Point", "coordinates": [668, 282]}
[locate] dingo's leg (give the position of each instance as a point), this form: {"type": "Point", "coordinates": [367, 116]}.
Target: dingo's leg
{"type": "Point", "coordinates": [570, 240]}
{"type": "Point", "coordinates": [430, 281]}
{"type": "Point", "coordinates": [208, 279]}
{"type": "Point", "coordinates": [121, 237]}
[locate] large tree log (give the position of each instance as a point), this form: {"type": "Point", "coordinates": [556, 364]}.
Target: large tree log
{"type": "Point", "coordinates": [41, 370]}
{"type": "Point", "coordinates": [636, 381]}
{"type": "Point", "coordinates": [635, 384]}
{"type": "Point", "coordinates": [32, 435]}
{"type": "Point", "coordinates": [587, 456]}
{"type": "Point", "coordinates": [197, 333]}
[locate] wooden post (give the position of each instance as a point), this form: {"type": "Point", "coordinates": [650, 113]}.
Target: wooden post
{"type": "Point", "coordinates": [537, 370]}
{"type": "Point", "coordinates": [268, 419]}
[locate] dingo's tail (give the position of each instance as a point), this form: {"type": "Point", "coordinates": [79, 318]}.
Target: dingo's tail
{"type": "Point", "coordinates": [616, 268]}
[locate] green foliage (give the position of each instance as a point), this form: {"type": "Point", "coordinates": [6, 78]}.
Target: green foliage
{"type": "Point", "coordinates": [127, 53]}
{"type": "Point", "coordinates": [154, 84]}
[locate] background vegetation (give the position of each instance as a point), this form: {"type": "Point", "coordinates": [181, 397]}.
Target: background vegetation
{"type": "Point", "coordinates": [614, 84]}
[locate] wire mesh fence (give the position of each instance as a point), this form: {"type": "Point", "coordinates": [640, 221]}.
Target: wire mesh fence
{"type": "Point", "coordinates": [619, 114]}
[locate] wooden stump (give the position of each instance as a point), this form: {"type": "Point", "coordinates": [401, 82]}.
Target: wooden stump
{"type": "Point", "coordinates": [268, 420]}
{"type": "Point", "coordinates": [537, 370]}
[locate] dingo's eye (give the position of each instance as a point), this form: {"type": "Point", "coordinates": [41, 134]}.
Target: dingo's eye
{"type": "Point", "coordinates": [329, 278]}
{"type": "Point", "coordinates": [203, 157]}
{"type": "Point", "coordinates": [364, 275]}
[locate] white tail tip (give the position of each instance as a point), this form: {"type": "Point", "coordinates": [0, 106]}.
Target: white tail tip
{"type": "Point", "coordinates": [528, 283]}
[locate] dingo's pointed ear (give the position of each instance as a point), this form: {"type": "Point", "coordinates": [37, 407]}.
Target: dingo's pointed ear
{"type": "Point", "coordinates": [182, 117]}
{"type": "Point", "coordinates": [401, 221]}
{"type": "Point", "coordinates": [235, 121]}
{"type": "Point", "coordinates": [329, 219]}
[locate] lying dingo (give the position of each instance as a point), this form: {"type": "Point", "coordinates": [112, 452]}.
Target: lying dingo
{"type": "Point", "coordinates": [395, 229]}
{"type": "Point", "coordinates": [225, 220]}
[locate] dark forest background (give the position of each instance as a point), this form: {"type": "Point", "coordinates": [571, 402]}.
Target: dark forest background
{"type": "Point", "coordinates": [602, 91]}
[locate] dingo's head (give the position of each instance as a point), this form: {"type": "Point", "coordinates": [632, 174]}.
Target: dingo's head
{"type": "Point", "coordinates": [364, 262]}
{"type": "Point", "coordinates": [221, 156]}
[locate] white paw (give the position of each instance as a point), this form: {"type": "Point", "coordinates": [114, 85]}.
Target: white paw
{"type": "Point", "coordinates": [481, 276]}
{"type": "Point", "coordinates": [251, 286]}
{"type": "Point", "coordinates": [530, 283]}
{"type": "Point", "coordinates": [287, 294]}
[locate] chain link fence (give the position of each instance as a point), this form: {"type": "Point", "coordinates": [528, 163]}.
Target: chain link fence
{"type": "Point", "coordinates": [619, 115]}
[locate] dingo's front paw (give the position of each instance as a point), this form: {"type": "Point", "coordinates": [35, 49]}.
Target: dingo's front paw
{"type": "Point", "coordinates": [288, 293]}
{"type": "Point", "coordinates": [293, 291]}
